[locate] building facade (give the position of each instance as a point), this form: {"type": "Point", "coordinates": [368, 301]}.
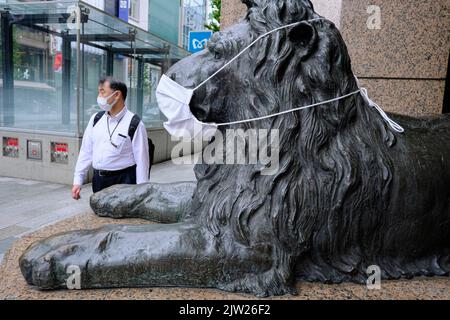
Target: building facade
{"type": "Point", "coordinates": [165, 19]}
{"type": "Point", "coordinates": [134, 12]}
{"type": "Point", "coordinates": [174, 20]}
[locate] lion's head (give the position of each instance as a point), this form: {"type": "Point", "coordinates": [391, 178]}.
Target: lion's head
{"type": "Point", "coordinates": [324, 151]}
{"type": "Point", "coordinates": [292, 67]}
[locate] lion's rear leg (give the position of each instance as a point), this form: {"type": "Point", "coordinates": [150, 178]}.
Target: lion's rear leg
{"type": "Point", "coordinates": [163, 203]}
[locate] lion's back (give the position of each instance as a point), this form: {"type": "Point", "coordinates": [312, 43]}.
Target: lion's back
{"type": "Point", "coordinates": [428, 122]}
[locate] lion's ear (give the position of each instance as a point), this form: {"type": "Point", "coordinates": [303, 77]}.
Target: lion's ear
{"type": "Point", "coordinates": [304, 37]}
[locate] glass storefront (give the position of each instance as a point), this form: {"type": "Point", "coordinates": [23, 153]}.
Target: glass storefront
{"type": "Point", "coordinates": [38, 84]}
{"type": "Point", "coordinates": [50, 85]}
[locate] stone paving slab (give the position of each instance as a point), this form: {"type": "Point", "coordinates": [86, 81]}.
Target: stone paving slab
{"type": "Point", "coordinates": [28, 200]}
{"type": "Point", "coordinates": [13, 286]}
{"type": "Point", "coordinates": [6, 244]}
{"type": "Point", "coordinates": [12, 231]}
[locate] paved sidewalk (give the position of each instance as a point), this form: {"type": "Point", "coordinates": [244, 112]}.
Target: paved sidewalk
{"type": "Point", "coordinates": [27, 205]}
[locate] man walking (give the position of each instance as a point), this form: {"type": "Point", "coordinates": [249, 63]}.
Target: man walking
{"type": "Point", "coordinates": [114, 143]}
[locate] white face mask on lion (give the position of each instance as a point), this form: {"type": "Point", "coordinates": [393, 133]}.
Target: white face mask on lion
{"type": "Point", "coordinates": [173, 101]}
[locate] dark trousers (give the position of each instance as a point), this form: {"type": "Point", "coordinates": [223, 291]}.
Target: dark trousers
{"type": "Point", "coordinates": [101, 181]}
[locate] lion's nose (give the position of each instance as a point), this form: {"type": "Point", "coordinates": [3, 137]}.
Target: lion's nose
{"type": "Point", "coordinates": [199, 109]}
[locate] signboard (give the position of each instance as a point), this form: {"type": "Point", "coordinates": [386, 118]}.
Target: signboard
{"type": "Point", "coordinates": [58, 62]}
{"type": "Point", "coordinates": [59, 153]}
{"type": "Point", "coordinates": [123, 9]}
{"type": "Point", "coordinates": [198, 40]}
{"type": "Point", "coordinates": [55, 45]}
{"type": "Point", "coordinates": [34, 150]}
{"type": "Point", "coordinates": [10, 147]}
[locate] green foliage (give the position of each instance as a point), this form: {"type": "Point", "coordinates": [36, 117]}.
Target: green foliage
{"type": "Point", "coordinates": [214, 24]}
{"type": "Point", "coordinates": [17, 53]}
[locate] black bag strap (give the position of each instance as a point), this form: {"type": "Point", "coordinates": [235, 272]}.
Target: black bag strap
{"type": "Point", "coordinates": [98, 116]}
{"type": "Point", "coordinates": [133, 126]}
{"type": "Point", "coordinates": [132, 129]}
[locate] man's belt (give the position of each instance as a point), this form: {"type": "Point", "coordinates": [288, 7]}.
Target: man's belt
{"type": "Point", "coordinates": [106, 173]}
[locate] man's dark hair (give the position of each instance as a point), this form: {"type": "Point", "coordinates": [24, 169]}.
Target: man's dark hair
{"type": "Point", "coordinates": [115, 85]}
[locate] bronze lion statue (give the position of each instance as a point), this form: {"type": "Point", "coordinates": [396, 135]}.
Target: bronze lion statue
{"type": "Point", "coordinates": [350, 192]}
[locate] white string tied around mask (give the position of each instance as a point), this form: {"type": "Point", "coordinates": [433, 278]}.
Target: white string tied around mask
{"type": "Point", "coordinates": [394, 125]}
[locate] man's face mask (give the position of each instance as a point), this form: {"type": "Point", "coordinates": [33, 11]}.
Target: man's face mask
{"type": "Point", "coordinates": [103, 102]}
{"type": "Point", "coordinates": [173, 101]}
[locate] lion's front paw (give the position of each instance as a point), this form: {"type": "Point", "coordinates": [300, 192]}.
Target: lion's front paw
{"type": "Point", "coordinates": [46, 264]}
{"type": "Point", "coordinates": [162, 203]}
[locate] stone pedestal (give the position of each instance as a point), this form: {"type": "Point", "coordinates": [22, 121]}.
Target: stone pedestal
{"type": "Point", "coordinates": [401, 54]}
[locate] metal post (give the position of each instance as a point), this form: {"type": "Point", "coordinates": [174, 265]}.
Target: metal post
{"type": "Point", "coordinates": [66, 71]}
{"type": "Point", "coordinates": [140, 87]}
{"type": "Point", "coordinates": [132, 32]}
{"type": "Point", "coordinates": [109, 63]}
{"type": "Point", "coordinates": [83, 79]}
{"type": "Point", "coordinates": [166, 62]}
{"type": "Point", "coordinates": [78, 26]}
{"type": "Point", "coordinates": [8, 69]}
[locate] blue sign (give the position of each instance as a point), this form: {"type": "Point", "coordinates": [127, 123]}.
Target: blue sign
{"type": "Point", "coordinates": [198, 40]}
{"type": "Point", "coordinates": [123, 10]}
